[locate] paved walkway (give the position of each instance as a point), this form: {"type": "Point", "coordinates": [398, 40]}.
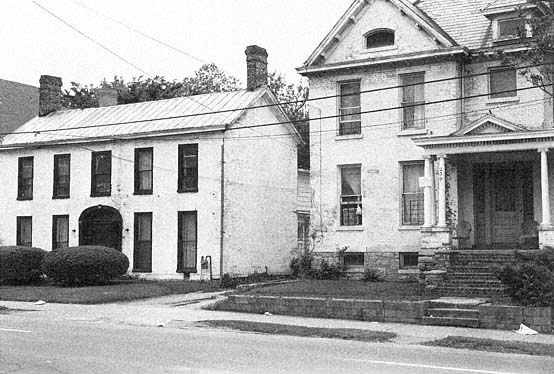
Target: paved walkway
{"type": "Point", "coordinates": [185, 311]}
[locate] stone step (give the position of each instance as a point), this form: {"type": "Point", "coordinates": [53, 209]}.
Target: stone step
{"type": "Point", "coordinates": [448, 321]}
{"type": "Point", "coordinates": [472, 275]}
{"type": "Point", "coordinates": [472, 291]}
{"type": "Point", "coordinates": [462, 284]}
{"type": "Point", "coordinates": [453, 313]}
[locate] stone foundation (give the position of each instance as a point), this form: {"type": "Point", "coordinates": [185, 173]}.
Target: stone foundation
{"type": "Point", "coordinates": [546, 237]}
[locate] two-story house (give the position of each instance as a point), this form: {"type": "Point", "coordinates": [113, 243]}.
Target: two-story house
{"type": "Point", "coordinates": [425, 128]}
{"type": "Point", "coordinates": [178, 185]}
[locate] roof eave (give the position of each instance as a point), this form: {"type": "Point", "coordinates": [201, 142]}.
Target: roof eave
{"type": "Point", "coordinates": [307, 70]}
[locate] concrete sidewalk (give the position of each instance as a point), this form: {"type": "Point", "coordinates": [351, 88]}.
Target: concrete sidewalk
{"type": "Point", "coordinates": [185, 311]}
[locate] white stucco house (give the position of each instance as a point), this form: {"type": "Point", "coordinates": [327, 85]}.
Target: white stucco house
{"type": "Point", "coordinates": [423, 128]}
{"type": "Point", "coordinates": [174, 183]}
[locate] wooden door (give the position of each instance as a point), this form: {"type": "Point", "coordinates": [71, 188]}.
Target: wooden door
{"type": "Point", "coordinates": [503, 198]}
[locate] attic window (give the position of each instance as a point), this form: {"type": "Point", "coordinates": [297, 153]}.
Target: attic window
{"type": "Point", "coordinates": [379, 38]}
{"type": "Point", "coordinates": [511, 28]}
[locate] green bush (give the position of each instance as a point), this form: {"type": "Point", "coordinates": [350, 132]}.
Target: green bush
{"type": "Point", "coordinates": [531, 283]}
{"type": "Point", "coordinates": [20, 265]}
{"type": "Point", "coordinates": [228, 281]}
{"type": "Point", "coordinates": [326, 271]}
{"type": "Point", "coordinates": [301, 265]}
{"type": "Point", "coordinates": [85, 265]}
{"type": "Point", "coordinates": [372, 275]}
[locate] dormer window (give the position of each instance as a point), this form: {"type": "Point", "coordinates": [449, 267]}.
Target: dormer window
{"type": "Point", "coordinates": [511, 28]}
{"type": "Point", "coordinates": [379, 38]}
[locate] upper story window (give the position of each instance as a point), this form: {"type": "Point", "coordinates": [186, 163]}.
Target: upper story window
{"type": "Point", "coordinates": [413, 100]}
{"type": "Point", "coordinates": [511, 28]}
{"type": "Point", "coordinates": [143, 171]}
{"type": "Point", "coordinates": [101, 174]}
{"type": "Point", "coordinates": [350, 195]}
{"type": "Point", "coordinates": [188, 168]}
{"type": "Point", "coordinates": [349, 108]}
{"type": "Point", "coordinates": [25, 178]}
{"type": "Point", "coordinates": [379, 38]}
{"type": "Point", "coordinates": [61, 176]}
{"type": "Point", "coordinates": [502, 82]}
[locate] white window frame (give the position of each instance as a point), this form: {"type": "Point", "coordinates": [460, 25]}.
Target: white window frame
{"type": "Point", "coordinates": [403, 223]}
{"type": "Point", "coordinates": [354, 201]}
{"type": "Point", "coordinates": [353, 110]}
{"type": "Point", "coordinates": [418, 124]}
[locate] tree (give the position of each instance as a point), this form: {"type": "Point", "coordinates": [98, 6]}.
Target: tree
{"type": "Point", "coordinates": [294, 98]}
{"type": "Point", "coordinates": [541, 47]}
{"type": "Point", "coordinates": [79, 97]}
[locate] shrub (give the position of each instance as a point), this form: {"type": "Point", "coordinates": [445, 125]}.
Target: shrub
{"type": "Point", "coordinates": [228, 281]}
{"type": "Point", "coordinates": [301, 265]}
{"type": "Point", "coordinates": [85, 265]}
{"type": "Point", "coordinates": [372, 275]}
{"type": "Point", "coordinates": [531, 283]}
{"type": "Point", "coordinates": [326, 271]}
{"type": "Point", "coordinates": [20, 265]}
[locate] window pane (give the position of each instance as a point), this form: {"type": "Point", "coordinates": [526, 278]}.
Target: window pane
{"type": "Point", "coordinates": [351, 181]}
{"type": "Point", "coordinates": [188, 167]}
{"type": "Point", "coordinates": [144, 227]}
{"type": "Point", "coordinates": [145, 180]}
{"type": "Point", "coordinates": [412, 194]}
{"type": "Point", "coordinates": [503, 83]}
{"type": "Point", "coordinates": [511, 28]}
{"type": "Point", "coordinates": [413, 88]}
{"type": "Point", "coordinates": [350, 95]}
{"type": "Point", "coordinates": [411, 174]}
{"type": "Point", "coordinates": [103, 183]}
{"type": "Point", "coordinates": [24, 231]}
{"type": "Point", "coordinates": [145, 160]}
{"type": "Point", "coordinates": [380, 39]}
{"type": "Point", "coordinates": [142, 256]}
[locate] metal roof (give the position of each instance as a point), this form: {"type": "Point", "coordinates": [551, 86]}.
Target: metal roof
{"type": "Point", "coordinates": [183, 114]}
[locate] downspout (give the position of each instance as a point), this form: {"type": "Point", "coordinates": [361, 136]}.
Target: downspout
{"type": "Point", "coordinates": [462, 93]}
{"type": "Point", "coordinates": [222, 212]}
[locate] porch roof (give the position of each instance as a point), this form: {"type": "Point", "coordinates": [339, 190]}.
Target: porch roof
{"type": "Point", "coordinates": [488, 142]}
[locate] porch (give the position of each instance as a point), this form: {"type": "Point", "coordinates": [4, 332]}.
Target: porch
{"type": "Point", "coordinates": [486, 188]}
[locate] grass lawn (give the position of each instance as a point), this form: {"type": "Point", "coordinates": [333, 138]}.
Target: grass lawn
{"type": "Point", "coordinates": [317, 332]}
{"type": "Point", "coordinates": [346, 289]}
{"type": "Point", "coordinates": [490, 345]}
{"type": "Point", "coordinates": [118, 291]}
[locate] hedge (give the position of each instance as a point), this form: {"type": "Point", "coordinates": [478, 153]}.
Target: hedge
{"type": "Point", "coordinates": [85, 265]}
{"type": "Point", "coordinates": [20, 265]}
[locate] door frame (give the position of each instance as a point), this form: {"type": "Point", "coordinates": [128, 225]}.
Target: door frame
{"type": "Point", "coordinates": [524, 191]}
{"type": "Point", "coordinates": [114, 217]}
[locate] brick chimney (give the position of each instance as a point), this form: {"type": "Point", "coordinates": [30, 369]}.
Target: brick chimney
{"type": "Point", "coordinates": [107, 96]}
{"type": "Point", "coordinates": [50, 94]}
{"type": "Point", "coordinates": [256, 67]}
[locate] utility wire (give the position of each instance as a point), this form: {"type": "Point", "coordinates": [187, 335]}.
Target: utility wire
{"type": "Point", "coordinates": [91, 39]}
{"type": "Point", "coordinates": [270, 123]}
{"type": "Point", "coordinates": [81, 4]}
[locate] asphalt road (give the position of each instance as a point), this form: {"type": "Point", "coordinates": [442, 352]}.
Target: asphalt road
{"type": "Point", "coordinates": [54, 346]}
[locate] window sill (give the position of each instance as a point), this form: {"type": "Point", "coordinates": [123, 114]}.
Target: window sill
{"type": "Point", "coordinates": [141, 271]}
{"type": "Point", "coordinates": [142, 193]}
{"type": "Point", "coordinates": [349, 137]}
{"type": "Point", "coordinates": [24, 198]}
{"type": "Point", "coordinates": [187, 270]}
{"type": "Point", "coordinates": [185, 191]}
{"type": "Point", "coordinates": [350, 228]}
{"type": "Point", "coordinates": [503, 100]}
{"type": "Point", "coordinates": [101, 194]}
{"type": "Point", "coordinates": [59, 197]}
{"type": "Point", "coordinates": [409, 228]}
{"type": "Point", "coordinates": [413, 132]}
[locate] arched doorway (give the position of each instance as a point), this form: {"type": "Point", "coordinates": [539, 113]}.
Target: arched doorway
{"type": "Point", "coordinates": [100, 225]}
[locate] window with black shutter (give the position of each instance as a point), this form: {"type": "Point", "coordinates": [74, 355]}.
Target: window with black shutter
{"type": "Point", "coordinates": [25, 178]}
{"type": "Point", "coordinates": [101, 174]}
{"type": "Point", "coordinates": [142, 254]}
{"type": "Point", "coordinates": [61, 176]}
{"type": "Point", "coordinates": [24, 231]}
{"type": "Point", "coordinates": [187, 242]}
{"type": "Point", "coordinates": [144, 158]}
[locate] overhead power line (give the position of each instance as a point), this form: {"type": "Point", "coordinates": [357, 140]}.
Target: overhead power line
{"type": "Point", "coordinates": [270, 123]}
{"type": "Point", "coordinates": [91, 39]}
{"type": "Point", "coordinates": [178, 50]}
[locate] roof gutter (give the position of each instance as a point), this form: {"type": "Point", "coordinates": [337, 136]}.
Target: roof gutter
{"type": "Point", "coordinates": [305, 70]}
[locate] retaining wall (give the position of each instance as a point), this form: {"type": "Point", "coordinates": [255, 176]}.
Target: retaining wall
{"type": "Point", "coordinates": [490, 316]}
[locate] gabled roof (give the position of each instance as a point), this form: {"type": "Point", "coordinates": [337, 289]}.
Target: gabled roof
{"type": "Point", "coordinates": [426, 23]}
{"type": "Point", "coordinates": [18, 104]}
{"type": "Point", "coordinates": [489, 124]}
{"type": "Point", "coordinates": [193, 114]}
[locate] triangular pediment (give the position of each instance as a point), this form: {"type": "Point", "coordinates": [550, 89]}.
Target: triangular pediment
{"type": "Point", "coordinates": [360, 19]}
{"type": "Point", "coordinates": [489, 124]}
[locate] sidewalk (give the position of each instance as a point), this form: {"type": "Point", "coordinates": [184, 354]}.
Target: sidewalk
{"type": "Point", "coordinates": [185, 311]}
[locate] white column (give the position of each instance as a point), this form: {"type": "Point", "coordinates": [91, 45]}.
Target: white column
{"type": "Point", "coordinates": [427, 193]}
{"type": "Point", "coordinates": [433, 195]}
{"type": "Point", "coordinates": [545, 190]}
{"type": "Point", "coordinates": [442, 191]}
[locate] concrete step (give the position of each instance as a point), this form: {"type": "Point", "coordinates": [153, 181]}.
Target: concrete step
{"type": "Point", "coordinates": [453, 313]}
{"type": "Point", "coordinates": [448, 321]}
{"type": "Point", "coordinates": [472, 282]}
{"type": "Point", "coordinates": [473, 292]}
{"type": "Point", "coordinates": [472, 275]}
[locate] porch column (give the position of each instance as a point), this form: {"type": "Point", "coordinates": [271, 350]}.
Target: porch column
{"type": "Point", "coordinates": [545, 189]}
{"type": "Point", "coordinates": [442, 191]}
{"type": "Point", "coordinates": [427, 193]}
{"type": "Point", "coordinates": [433, 194]}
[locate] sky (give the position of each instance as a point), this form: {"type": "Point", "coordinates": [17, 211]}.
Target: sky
{"type": "Point", "coordinates": [35, 42]}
